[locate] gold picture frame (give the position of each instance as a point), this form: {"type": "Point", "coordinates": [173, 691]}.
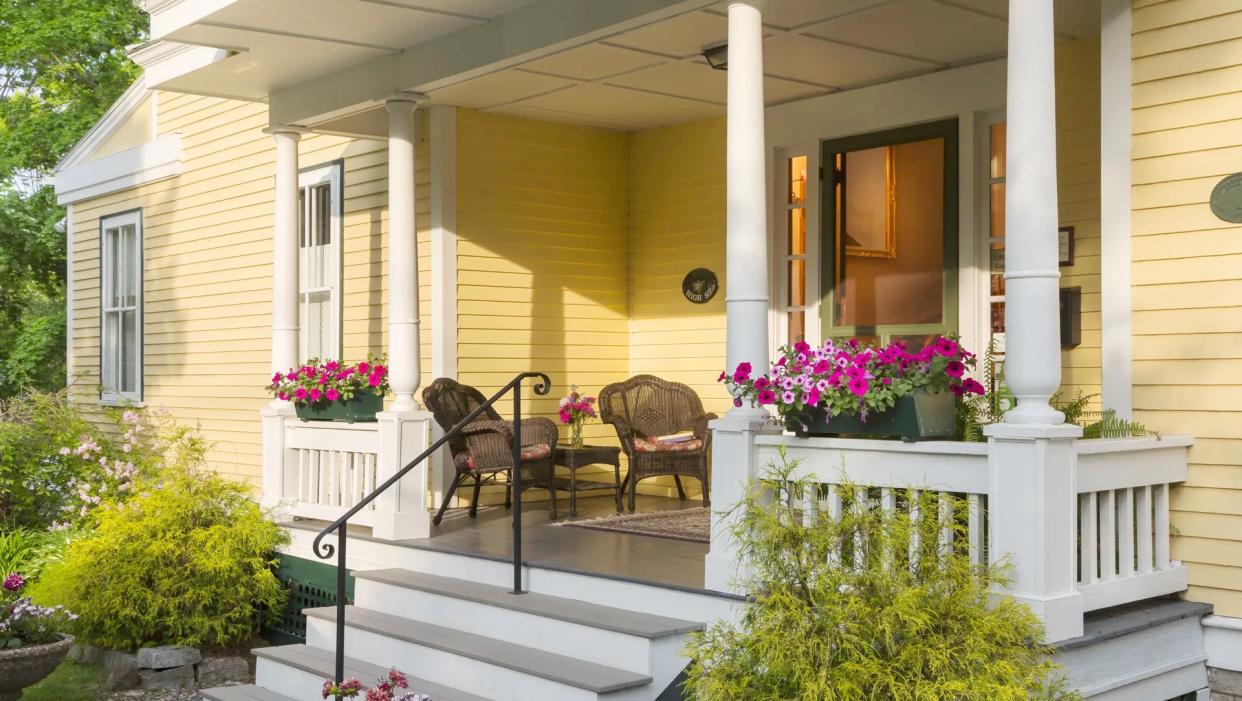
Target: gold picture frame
{"type": "Point", "coordinates": [872, 239]}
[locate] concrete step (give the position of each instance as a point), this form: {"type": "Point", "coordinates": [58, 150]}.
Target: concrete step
{"type": "Point", "coordinates": [482, 665]}
{"type": "Point", "coordinates": [299, 671]}
{"type": "Point", "coordinates": [249, 692]}
{"type": "Point", "coordinates": [605, 635]}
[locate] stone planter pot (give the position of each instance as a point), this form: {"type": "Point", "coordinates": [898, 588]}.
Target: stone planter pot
{"type": "Point", "coordinates": [27, 666]}
{"type": "Point", "coordinates": [914, 417]}
{"type": "Point", "coordinates": [362, 408]}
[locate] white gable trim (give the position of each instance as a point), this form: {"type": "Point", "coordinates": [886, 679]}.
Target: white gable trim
{"type": "Point", "coordinates": [108, 124]}
{"type": "Point", "coordinates": [142, 164]}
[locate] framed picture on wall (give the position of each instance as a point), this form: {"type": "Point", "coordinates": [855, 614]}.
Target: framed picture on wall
{"type": "Point", "coordinates": [869, 201]}
{"type": "Point", "coordinates": [1065, 245]}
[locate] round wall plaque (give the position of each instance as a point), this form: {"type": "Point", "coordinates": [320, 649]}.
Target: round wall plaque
{"type": "Point", "coordinates": [700, 285]}
{"type": "Point", "coordinates": [1227, 199]}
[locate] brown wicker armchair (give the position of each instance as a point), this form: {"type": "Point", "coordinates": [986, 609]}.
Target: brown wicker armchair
{"type": "Point", "coordinates": [645, 407]}
{"type": "Point", "coordinates": [484, 449]}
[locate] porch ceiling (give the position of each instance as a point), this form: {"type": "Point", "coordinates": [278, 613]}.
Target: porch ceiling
{"type": "Point", "coordinates": [644, 73]}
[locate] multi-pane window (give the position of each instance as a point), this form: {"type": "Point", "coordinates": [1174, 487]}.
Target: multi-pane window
{"type": "Point", "coordinates": [795, 252]}
{"type": "Point", "coordinates": [319, 269]}
{"type": "Point", "coordinates": [996, 232]}
{"type": "Point", "coordinates": [121, 306]}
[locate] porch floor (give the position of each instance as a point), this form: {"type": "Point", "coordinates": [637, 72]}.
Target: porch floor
{"type": "Point", "coordinates": [641, 558]}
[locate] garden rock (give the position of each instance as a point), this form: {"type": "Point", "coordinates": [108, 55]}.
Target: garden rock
{"type": "Point", "coordinates": [216, 671]}
{"type": "Point", "coordinates": [121, 668]}
{"type": "Point", "coordinates": [175, 678]}
{"type": "Point", "coordinates": [167, 657]}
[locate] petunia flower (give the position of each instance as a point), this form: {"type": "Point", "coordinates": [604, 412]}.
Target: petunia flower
{"type": "Point", "coordinates": [332, 394]}
{"type": "Point", "coordinates": [954, 369]}
{"type": "Point", "coordinates": [859, 386]}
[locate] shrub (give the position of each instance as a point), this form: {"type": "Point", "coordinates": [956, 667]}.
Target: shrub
{"type": "Point", "coordinates": [886, 625]}
{"type": "Point", "coordinates": [187, 560]}
{"type": "Point", "coordinates": [28, 551]}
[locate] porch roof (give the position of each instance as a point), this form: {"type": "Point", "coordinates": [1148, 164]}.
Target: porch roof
{"type": "Point", "coordinates": [328, 64]}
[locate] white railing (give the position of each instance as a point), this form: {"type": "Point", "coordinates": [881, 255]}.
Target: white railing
{"type": "Point", "coordinates": [1085, 523]}
{"type": "Point", "coordinates": [1123, 519]}
{"type": "Point", "coordinates": [320, 469]}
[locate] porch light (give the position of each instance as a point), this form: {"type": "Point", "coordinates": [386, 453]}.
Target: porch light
{"type": "Point", "coordinates": [717, 56]}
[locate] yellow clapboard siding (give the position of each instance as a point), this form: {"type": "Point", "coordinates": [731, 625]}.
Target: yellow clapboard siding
{"type": "Point", "coordinates": [1197, 22]}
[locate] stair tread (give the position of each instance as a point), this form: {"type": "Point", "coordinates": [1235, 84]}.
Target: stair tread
{"type": "Point", "coordinates": [323, 662]}
{"type": "Point", "coordinates": [590, 676]}
{"type": "Point", "coordinates": [569, 610]}
{"type": "Point", "coordinates": [249, 692]}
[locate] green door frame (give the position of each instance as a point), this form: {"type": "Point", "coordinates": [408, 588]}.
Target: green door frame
{"type": "Point", "coordinates": [945, 129]}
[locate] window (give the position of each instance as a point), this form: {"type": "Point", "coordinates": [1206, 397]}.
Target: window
{"type": "Point", "coordinates": [121, 306]}
{"type": "Point", "coordinates": [889, 232]}
{"type": "Point", "coordinates": [996, 233]}
{"type": "Point", "coordinates": [794, 296]}
{"type": "Point", "coordinates": [319, 264]}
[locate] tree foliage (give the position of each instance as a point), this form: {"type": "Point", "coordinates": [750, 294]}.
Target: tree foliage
{"type": "Point", "coordinates": [62, 64]}
{"type": "Point", "coordinates": [842, 611]}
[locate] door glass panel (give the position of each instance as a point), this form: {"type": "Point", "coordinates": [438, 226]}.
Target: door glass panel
{"type": "Point", "coordinates": [797, 232]}
{"type": "Point", "coordinates": [797, 283]}
{"type": "Point", "coordinates": [797, 326]}
{"type": "Point", "coordinates": [997, 161]}
{"type": "Point", "coordinates": [888, 235]}
{"type": "Point", "coordinates": [797, 180]}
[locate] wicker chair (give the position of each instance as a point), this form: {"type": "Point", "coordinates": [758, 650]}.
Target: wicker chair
{"type": "Point", "coordinates": [642, 409]}
{"type": "Point", "coordinates": [484, 449]}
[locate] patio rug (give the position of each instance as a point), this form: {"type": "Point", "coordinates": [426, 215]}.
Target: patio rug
{"type": "Point", "coordinates": [693, 525]}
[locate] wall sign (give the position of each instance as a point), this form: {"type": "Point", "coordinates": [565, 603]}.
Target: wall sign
{"type": "Point", "coordinates": [1065, 246]}
{"type": "Point", "coordinates": [700, 285]}
{"type": "Point", "coordinates": [1226, 199]}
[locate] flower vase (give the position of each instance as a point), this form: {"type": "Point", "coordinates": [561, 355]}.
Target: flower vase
{"type": "Point", "coordinates": [575, 435]}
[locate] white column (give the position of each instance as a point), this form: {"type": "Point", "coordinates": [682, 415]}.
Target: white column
{"type": "Point", "coordinates": [746, 283]}
{"type": "Point", "coordinates": [746, 301]}
{"type": "Point", "coordinates": [403, 342]}
{"type": "Point", "coordinates": [285, 253]}
{"type": "Point", "coordinates": [284, 310]}
{"type": "Point", "coordinates": [1032, 330]}
{"type": "Point", "coordinates": [1115, 306]}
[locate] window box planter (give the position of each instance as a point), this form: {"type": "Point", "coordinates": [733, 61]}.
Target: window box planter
{"type": "Point", "coordinates": [29, 665]}
{"type": "Point", "coordinates": [362, 408]}
{"type": "Point", "coordinates": [914, 417]}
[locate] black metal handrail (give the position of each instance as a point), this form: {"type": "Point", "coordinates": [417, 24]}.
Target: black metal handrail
{"type": "Point", "coordinates": [325, 551]}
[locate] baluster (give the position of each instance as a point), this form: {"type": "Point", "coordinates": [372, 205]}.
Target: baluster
{"type": "Point", "coordinates": [1143, 528]}
{"type": "Point", "coordinates": [1108, 535]}
{"type": "Point", "coordinates": [317, 475]}
{"type": "Point", "coordinates": [946, 525]}
{"type": "Point", "coordinates": [915, 525]}
{"type": "Point", "coordinates": [1161, 509]}
{"type": "Point", "coordinates": [303, 482]}
{"type": "Point", "coordinates": [1125, 532]}
{"type": "Point", "coordinates": [834, 513]}
{"type": "Point", "coordinates": [372, 474]}
{"type": "Point", "coordinates": [810, 504]}
{"type": "Point", "coordinates": [357, 463]}
{"type": "Point", "coordinates": [334, 474]}
{"type": "Point", "coordinates": [888, 509]}
{"type": "Point", "coordinates": [861, 503]}
{"type": "Point", "coordinates": [1088, 538]}
{"type": "Point", "coordinates": [974, 529]}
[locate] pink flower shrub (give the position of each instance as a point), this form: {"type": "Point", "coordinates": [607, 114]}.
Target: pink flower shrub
{"type": "Point", "coordinates": [384, 689]}
{"type": "Point", "coordinates": [329, 381]}
{"type": "Point", "coordinates": [24, 623]}
{"type": "Point", "coordinates": [853, 378]}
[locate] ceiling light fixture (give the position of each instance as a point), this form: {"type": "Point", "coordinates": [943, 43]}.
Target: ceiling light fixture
{"type": "Point", "coordinates": [717, 56]}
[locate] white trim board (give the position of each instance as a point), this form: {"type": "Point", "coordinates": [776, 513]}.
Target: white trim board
{"type": "Point", "coordinates": [1222, 638]}
{"type": "Point", "coordinates": [443, 127]}
{"type": "Point", "coordinates": [1115, 200]}
{"type": "Point", "coordinates": [116, 115]}
{"type": "Point", "coordinates": [135, 166]}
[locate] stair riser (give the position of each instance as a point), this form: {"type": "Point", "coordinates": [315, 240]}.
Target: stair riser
{"type": "Point", "coordinates": [467, 674]}
{"type": "Point", "coordinates": [290, 681]}
{"type": "Point", "coordinates": [618, 650]}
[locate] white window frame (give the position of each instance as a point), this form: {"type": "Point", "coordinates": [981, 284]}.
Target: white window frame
{"type": "Point", "coordinates": [779, 294]}
{"type": "Point", "coordinates": [983, 241]}
{"type": "Point", "coordinates": [332, 175]}
{"type": "Point", "coordinates": [110, 359]}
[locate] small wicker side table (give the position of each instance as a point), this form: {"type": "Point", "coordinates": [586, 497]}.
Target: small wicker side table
{"type": "Point", "coordinates": [575, 458]}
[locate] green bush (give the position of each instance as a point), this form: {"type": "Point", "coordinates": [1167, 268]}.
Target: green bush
{"type": "Point", "coordinates": [187, 559]}
{"type": "Point", "coordinates": [27, 551]}
{"type": "Point", "coordinates": [829, 626]}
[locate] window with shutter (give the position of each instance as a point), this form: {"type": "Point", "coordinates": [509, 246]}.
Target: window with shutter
{"type": "Point", "coordinates": [319, 269]}
{"type": "Point", "coordinates": [121, 307]}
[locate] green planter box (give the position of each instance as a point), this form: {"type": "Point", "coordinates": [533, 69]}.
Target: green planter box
{"type": "Point", "coordinates": [914, 417]}
{"type": "Point", "coordinates": [362, 407]}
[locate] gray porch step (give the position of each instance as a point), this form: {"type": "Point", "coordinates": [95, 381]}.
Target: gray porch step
{"type": "Point", "coordinates": [588, 676]}
{"type": "Point", "coordinates": [323, 664]}
{"type": "Point", "coordinates": [569, 610]}
{"type": "Point", "coordinates": [249, 692]}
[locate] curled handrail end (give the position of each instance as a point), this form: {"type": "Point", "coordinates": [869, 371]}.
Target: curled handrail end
{"type": "Point", "coordinates": [322, 550]}
{"type": "Point", "coordinates": [544, 385]}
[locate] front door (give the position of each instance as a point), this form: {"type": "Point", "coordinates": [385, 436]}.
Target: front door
{"type": "Point", "coordinates": [889, 234]}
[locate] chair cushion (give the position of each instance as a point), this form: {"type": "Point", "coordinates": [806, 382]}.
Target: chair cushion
{"type": "Point", "coordinates": [538, 451]}
{"type": "Point", "coordinates": [650, 445]}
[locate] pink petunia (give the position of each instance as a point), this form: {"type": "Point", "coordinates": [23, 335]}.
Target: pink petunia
{"type": "Point", "coordinates": [300, 393]}
{"type": "Point", "coordinates": [813, 397]}
{"type": "Point", "coordinates": [364, 367]}
{"type": "Point", "coordinates": [788, 397]}
{"type": "Point", "coordinates": [972, 386]}
{"type": "Point", "coordinates": [742, 373]}
{"type": "Point", "coordinates": [822, 367]}
{"type": "Point", "coordinates": [332, 394]}
{"type": "Point", "coordinates": [946, 347]}
{"type": "Point", "coordinates": [375, 379]}
{"type": "Point", "coordinates": [315, 394]}
{"type": "Point", "coordinates": [723, 376]}
{"type": "Point", "coordinates": [762, 383]}
{"type": "Point", "coordinates": [954, 369]}
{"type": "Point", "coordinates": [859, 386]}
{"type": "Point", "coordinates": [765, 397]}
{"type": "Point", "coordinates": [277, 378]}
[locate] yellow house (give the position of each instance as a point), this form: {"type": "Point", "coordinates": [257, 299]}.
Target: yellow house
{"type": "Point", "coordinates": [594, 191]}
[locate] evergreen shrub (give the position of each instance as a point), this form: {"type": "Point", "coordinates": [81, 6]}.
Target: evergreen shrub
{"type": "Point", "coordinates": [186, 559]}
{"type": "Point", "coordinates": [843, 611]}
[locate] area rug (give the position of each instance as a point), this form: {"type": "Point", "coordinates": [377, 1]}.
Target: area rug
{"type": "Point", "coordinates": [694, 525]}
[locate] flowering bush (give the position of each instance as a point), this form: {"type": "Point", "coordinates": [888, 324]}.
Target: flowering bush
{"type": "Point", "coordinates": [853, 379]}
{"type": "Point", "coordinates": [23, 623]}
{"type": "Point", "coordinates": [575, 409]}
{"type": "Point", "coordinates": [329, 380]}
{"type": "Point", "coordinates": [384, 689]}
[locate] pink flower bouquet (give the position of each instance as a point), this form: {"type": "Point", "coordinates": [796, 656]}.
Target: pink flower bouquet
{"type": "Point", "coordinates": [319, 381]}
{"type": "Point", "coordinates": [853, 378]}
{"type": "Point", "coordinates": [385, 689]}
{"type": "Point", "coordinates": [574, 410]}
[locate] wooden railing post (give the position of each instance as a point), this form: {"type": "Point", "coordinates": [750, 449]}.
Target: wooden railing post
{"type": "Point", "coordinates": [401, 513]}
